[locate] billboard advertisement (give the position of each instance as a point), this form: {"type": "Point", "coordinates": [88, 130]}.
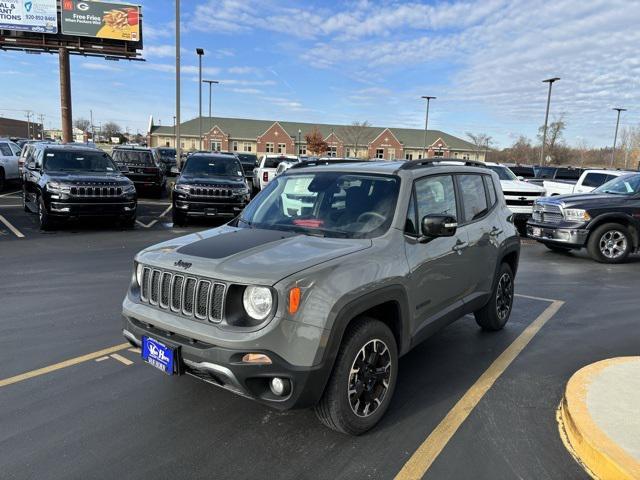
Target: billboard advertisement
{"type": "Point", "coordinates": [29, 16]}
{"type": "Point", "coordinates": [114, 21]}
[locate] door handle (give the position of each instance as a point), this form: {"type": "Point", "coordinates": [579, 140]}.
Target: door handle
{"type": "Point", "coordinates": [495, 231]}
{"type": "Point", "coordinates": [459, 246]}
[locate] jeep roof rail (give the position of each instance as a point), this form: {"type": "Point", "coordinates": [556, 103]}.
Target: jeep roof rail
{"type": "Point", "coordinates": [315, 163]}
{"type": "Point", "coordinates": [429, 162]}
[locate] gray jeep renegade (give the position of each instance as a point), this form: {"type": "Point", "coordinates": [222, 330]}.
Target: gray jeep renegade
{"type": "Point", "coordinates": [330, 274]}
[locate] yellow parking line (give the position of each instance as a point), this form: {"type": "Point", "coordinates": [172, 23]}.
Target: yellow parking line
{"type": "Point", "coordinates": [428, 451]}
{"type": "Point", "coordinates": [121, 359]}
{"type": "Point", "coordinates": [61, 365]}
{"type": "Point", "coordinates": [15, 231]}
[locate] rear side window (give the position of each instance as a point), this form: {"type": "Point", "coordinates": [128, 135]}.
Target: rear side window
{"type": "Point", "coordinates": [5, 150]}
{"type": "Point", "coordinates": [491, 190]}
{"type": "Point", "coordinates": [436, 196]}
{"type": "Point", "coordinates": [474, 198]}
{"type": "Point", "coordinates": [274, 162]}
{"type": "Point", "coordinates": [568, 174]}
{"type": "Point", "coordinates": [595, 179]}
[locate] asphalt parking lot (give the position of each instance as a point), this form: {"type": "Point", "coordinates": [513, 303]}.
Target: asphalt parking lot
{"type": "Point", "coordinates": [106, 414]}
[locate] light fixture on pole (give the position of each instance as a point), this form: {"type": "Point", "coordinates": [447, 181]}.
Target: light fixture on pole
{"type": "Point", "coordinates": [615, 137]}
{"type": "Point", "coordinates": [200, 53]}
{"type": "Point", "coordinates": [210, 82]}
{"type": "Point", "coordinates": [546, 117]}
{"type": "Point", "coordinates": [299, 142]}
{"type": "Point", "coordinates": [426, 125]}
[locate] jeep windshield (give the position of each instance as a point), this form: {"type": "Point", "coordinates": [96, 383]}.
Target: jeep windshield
{"type": "Point", "coordinates": [132, 157]}
{"type": "Point", "coordinates": [625, 185]}
{"type": "Point", "coordinates": [211, 166]}
{"type": "Point", "coordinates": [69, 161]}
{"type": "Point", "coordinates": [331, 204]}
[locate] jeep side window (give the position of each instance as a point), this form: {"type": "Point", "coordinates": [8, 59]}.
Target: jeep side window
{"type": "Point", "coordinates": [474, 199]}
{"type": "Point", "coordinates": [491, 190]}
{"type": "Point", "coordinates": [436, 196]}
{"type": "Point", "coordinates": [411, 222]}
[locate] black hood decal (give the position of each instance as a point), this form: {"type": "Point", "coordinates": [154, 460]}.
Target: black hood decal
{"type": "Point", "coordinates": [227, 244]}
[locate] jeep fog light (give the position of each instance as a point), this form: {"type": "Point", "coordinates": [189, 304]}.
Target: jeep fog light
{"type": "Point", "coordinates": [256, 358]}
{"type": "Point", "coordinates": [280, 386]}
{"type": "Point", "coordinates": [257, 302]}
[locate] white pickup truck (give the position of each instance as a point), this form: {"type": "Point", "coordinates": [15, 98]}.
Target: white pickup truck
{"type": "Point", "coordinates": [266, 169]}
{"type": "Point", "coordinates": [588, 181]}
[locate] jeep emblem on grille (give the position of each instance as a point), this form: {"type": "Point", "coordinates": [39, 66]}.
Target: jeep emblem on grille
{"type": "Point", "coordinates": [183, 264]}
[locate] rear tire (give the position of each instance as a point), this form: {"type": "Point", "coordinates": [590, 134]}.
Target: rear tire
{"type": "Point", "coordinates": [610, 243]}
{"type": "Point", "coordinates": [363, 379]}
{"type": "Point", "coordinates": [495, 314]}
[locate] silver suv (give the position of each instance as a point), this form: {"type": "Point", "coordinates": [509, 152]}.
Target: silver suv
{"type": "Point", "coordinates": [331, 273]}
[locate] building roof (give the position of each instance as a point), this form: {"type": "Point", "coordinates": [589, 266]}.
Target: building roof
{"type": "Point", "coordinates": [250, 129]}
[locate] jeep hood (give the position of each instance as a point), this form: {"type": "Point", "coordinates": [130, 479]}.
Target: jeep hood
{"type": "Point", "coordinates": [244, 255]}
{"type": "Point", "coordinates": [585, 200]}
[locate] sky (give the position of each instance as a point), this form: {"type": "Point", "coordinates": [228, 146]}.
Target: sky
{"type": "Point", "coordinates": [344, 61]}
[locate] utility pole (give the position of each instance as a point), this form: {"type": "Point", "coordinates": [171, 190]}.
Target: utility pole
{"type": "Point", "coordinates": [546, 117]}
{"type": "Point", "coordinates": [65, 95]}
{"type": "Point", "coordinates": [200, 53]}
{"type": "Point", "coordinates": [41, 116]}
{"type": "Point", "coordinates": [174, 131]}
{"type": "Point", "coordinates": [210, 82]}
{"type": "Point", "coordinates": [93, 130]}
{"type": "Point", "coordinates": [426, 125]}
{"type": "Point", "coordinates": [28, 115]}
{"type": "Point", "coordinates": [177, 117]}
{"type": "Point", "coordinates": [615, 137]}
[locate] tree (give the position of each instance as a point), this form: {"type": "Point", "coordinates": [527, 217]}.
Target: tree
{"type": "Point", "coordinates": [554, 138]}
{"type": "Point", "coordinates": [315, 142]}
{"type": "Point", "coordinates": [111, 129]}
{"type": "Point", "coordinates": [481, 141]}
{"type": "Point", "coordinates": [355, 134]}
{"type": "Point", "coordinates": [82, 124]}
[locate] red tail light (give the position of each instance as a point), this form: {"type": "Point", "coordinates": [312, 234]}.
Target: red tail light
{"type": "Point", "coordinates": [265, 176]}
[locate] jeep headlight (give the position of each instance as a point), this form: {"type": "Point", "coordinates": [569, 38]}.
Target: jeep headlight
{"type": "Point", "coordinates": [576, 215]}
{"type": "Point", "coordinates": [257, 302]}
{"type": "Point", "coordinates": [139, 271]}
{"type": "Point", "coordinates": [129, 188]}
{"type": "Point", "coordinates": [180, 188]}
{"type": "Point", "coordinates": [58, 187]}
{"type": "Point", "coordinates": [240, 191]}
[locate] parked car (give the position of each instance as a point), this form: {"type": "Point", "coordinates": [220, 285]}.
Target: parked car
{"type": "Point", "coordinates": [68, 181]}
{"type": "Point", "coordinates": [313, 307]}
{"type": "Point", "coordinates": [249, 161]}
{"type": "Point", "coordinates": [605, 221]}
{"type": "Point", "coordinates": [267, 167]}
{"type": "Point", "coordinates": [209, 185]}
{"type": "Point", "coordinates": [554, 173]}
{"type": "Point", "coordinates": [9, 157]}
{"type": "Point", "coordinates": [519, 195]}
{"type": "Point", "coordinates": [140, 165]}
{"type": "Point", "coordinates": [523, 172]}
{"type": "Point", "coordinates": [588, 181]}
{"type": "Point", "coordinates": [166, 158]}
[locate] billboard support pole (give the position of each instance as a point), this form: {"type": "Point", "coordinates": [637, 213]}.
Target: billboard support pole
{"type": "Point", "coordinates": [65, 95]}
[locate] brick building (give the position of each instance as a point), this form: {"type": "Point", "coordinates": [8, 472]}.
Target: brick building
{"type": "Point", "coordinates": [268, 136]}
{"type": "Point", "coordinates": [10, 128]}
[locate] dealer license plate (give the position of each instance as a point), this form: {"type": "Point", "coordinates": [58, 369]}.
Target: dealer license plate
{"type": "Point", "coordinates": [158, 354]}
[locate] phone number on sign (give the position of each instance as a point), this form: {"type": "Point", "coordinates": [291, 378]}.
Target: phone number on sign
{"type": "Point", "coordinates": [40, 17]}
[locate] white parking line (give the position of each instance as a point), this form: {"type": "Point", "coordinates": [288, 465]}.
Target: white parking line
{"type": "Point", "coordinates": [150, 202]}
{"type": "Point", "coordinates": [15, 231]}
{"type": "Point", "coordinates": [11, 205]}
{"type": "Point", "coordinates": [153, 222]}
{"type": "Point", "coordinates": [9, 193]}
{"type": "Point", "coordinates": [166, 211]}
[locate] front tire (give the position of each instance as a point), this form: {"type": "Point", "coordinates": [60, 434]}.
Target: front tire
{"type": "Point", "coordinates": [610, 243]}
{"type": "Point", "coordinates": [495, 314]}
{"type": "Point", "coordinates": [364, 375]}
{"type": "Point", "coordinates": [44, 218]}
{"type": "Point", "coordinates": [179, 218]}
{"type": "Point", "coordinates": [2, 180]}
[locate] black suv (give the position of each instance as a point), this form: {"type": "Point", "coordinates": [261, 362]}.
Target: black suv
{"type": "Point", "coordinates": [65, 181]}
{"type": "Point", "coordinates": [209, 185]}
{"type": "Point", "coordinates": [166, 158]}
{"type": "Point", "coordinates": [140, 165]}
{"type": "Point", "coordinates": [606, 221]}
{"type": "Point", "coordinates": [248, 162]}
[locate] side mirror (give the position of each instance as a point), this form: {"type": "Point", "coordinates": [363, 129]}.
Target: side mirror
{"type": "Point", "coordinates": [520, 177]}
{"type": "Point", "coordinates": [434, 226]}
{"type": "Point", "coordinates": [123, 168]}
{"type": "Point", "coordinates": [175, 170]}
{"type": "Point", "coordinates": [31, 166]}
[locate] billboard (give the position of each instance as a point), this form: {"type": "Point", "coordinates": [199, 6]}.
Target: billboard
{"type": "Point", "coordinates": [114, 21]}
{"type": "Point", "coordinates": [29, 16]}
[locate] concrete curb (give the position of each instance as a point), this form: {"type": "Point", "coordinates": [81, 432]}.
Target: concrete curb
{"type": "Point", "coordinates": [592, 447]}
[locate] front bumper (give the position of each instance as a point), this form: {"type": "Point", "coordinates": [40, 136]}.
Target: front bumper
{"type": "Point", "coordinates": [199, 208]}
{"type": "Point", "coordinates": [64, 209]}
{"type": "Point", "coordinates": [562, 234]}
{"type": "Point", "coordinates": [223, 367]}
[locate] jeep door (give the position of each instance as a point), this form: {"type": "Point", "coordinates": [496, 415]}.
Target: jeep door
{"type": "Point", "coordinates": [440, 272]}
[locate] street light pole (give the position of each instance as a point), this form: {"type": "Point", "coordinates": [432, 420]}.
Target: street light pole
{"type": "Point", "coordinates": [210, 82]}
{"type": "Point", "coordinates": [615, 137]}
{"type": "Point", "coordinates": [200, 53]}
{"type": "Point", "coordinates": [426, 125]}
{"type": "Point", "coordinates": [176, 120]}
{"type": "Point", "coordinates": [299, 142]}
{"type": "Point", "coordinates": [546, 117]}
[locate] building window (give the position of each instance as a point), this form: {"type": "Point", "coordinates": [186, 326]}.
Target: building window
{"type": "Point", "coordinates": [408, 156]}
{"type": "Point", "coordinates": [234, 146]}
{"type": "Point", "coordinates": [438, 153]}
{"type": "Point", "coordinates": [216, 146]}
{"type": "Point", "coordinates": [419, 156]}
{"type": "Point", "coordinates": [392, 154]}
{"type": "Point", "coordinates": [269, 147]}
{"type": "Point", "coordinates": [282, 148]}
{"type": "Point", "coordinates": [193, 144]}
{"type": "Point", "coordinates": [302, 149]}
{"type": "Point", "coordinates": [246, 147]}
{"type": "Point", "coordinates": [332, 152]}
{"type": "Point", "coordinates": [379, 152]}
{"type": "Point", "coordinates": [465, 156]}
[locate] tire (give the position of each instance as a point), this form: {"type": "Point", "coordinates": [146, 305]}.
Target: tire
{"type": "Point", "coordinates": [610, 243]}
{"type": "Point", "coordinates": [43, 216]}
{"type": "Point", "coordinates": [557, 248]}
{"type": "Point", "coordinates": [2, 180]}
{"type": "Point", "coordinates": [337, 408]}
{"type": "Point", "coordinates": [495, 314]}
{"type": "Point", "coordinates": [179, 219]}
{"type": "Point", "coordinates": [128, 222]}
{"type": "Point", "coordinates": [25, 207]}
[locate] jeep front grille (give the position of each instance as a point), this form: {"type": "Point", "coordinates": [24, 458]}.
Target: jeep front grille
{"type": "Point", "coordinates": [211, 192]}
{"type": "Point", "coordinates": [96, 191]}
{"type": "Point", "coordinates": [185, 294]}
{"type": "Point", "coordinates": [547, 213]}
